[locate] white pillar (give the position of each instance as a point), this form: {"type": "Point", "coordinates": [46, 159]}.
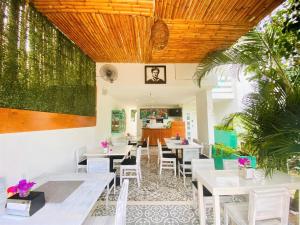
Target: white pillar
{"type": "Point", "coordinates": [204, 106]}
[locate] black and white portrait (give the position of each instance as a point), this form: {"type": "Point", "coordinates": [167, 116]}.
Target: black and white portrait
{"type": "Point", "coordinates": [155, 74]}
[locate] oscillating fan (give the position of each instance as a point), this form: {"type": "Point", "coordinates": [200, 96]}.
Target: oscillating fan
{"type": "Point", "coordinates": [108, 72]}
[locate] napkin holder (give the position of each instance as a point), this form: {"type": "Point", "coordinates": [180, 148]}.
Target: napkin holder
{"type": "Point", "coordinates": [26, 206]}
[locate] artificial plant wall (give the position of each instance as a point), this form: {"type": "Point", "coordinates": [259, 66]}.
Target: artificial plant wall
{"type": "Point", "coordinates": [40, 69]}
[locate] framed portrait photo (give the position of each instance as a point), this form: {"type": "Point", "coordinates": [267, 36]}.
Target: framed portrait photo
{"type": "Point", "coordinates": [155, 74]}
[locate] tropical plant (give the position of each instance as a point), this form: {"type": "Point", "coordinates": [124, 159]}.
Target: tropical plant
{"type": "Point", "coordinates": [40, 68]}
{"type": "Point", "coordinates": [223, 150]}
{"type": "Point", "coordinates": [272, 113]}
{"type": "Point", "coordinates": [222, 127]}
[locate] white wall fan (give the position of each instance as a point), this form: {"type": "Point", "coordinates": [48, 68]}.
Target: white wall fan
{"type": "Point", "coordinates": [108, 72]}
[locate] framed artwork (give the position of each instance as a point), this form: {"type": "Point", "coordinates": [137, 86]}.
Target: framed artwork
{"type": "Point", "coordinates": [118, 121]}
{"type": "Point", "coordinates": [155, 74]}
{"type": "Point", "coordinates": [154, 113]}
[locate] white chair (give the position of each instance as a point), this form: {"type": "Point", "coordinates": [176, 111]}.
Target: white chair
{"type": "Point", "coordinates": [131, 168]}
{"type": "Point", "coordinates": [167, 161]}
{"type": "Point", "coordinates": [201, 155]}
{"type": "Point", "coordinates": [147, 149]}
{"type": "Point", "coordinates": [101, 165]}
{"type": "Point", "coordinates": [266, 207]}
{"type": "Point", "coordinates": [185, 164]}
{"type": "Point", "coordinates": [120, 217]}
{"type": "Point", "coordinates": [164, 151]}
{"type": "Point", "coordinates": [198, 165]}
{"type": "Point", "coordinates": [206, 151]}
{"type": "Point", "coordinates": [81, 160]}
{"type": "Point", "coordinates": [230, 164]}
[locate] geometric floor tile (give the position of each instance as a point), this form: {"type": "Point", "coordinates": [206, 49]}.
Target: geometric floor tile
{"type": "Point", "coordinates": [160, 200]}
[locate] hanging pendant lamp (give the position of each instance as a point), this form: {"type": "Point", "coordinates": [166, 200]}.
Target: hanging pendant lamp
{"type": "Point", "coordinates": [159, 35]}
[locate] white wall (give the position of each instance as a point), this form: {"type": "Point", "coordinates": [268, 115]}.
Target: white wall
{"type": "Point", "coordinates": [131, 125]}
{"type": "Point", "coordinates": [205, 121]}
{"type": "Point", "coordinates": [190, 108]}
{"type": "Point", "coordinates": [241, 88]}
{"type": "Point", "coordinates": [29, 154]}
{"type": "Point", "coordinates": [105, 105]}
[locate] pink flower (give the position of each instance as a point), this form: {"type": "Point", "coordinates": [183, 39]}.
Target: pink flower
{"type": "Point", "coordinates": [21, 187]}
{"type": "Point", "coordinates": [25, 186]}
{"type": "Point", "coordinates": [12, 189]}
{"type": "Point", "coordinates": [244, 161]}
{"type": "Point", "coordinates": [104, 144]}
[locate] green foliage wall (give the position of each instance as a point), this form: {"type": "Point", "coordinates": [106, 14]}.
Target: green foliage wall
{"type": "Point", "coordinates": [40, 69]}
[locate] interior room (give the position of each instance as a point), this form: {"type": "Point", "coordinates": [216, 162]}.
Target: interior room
{"type": "Point", "coordinates": [149, 112]}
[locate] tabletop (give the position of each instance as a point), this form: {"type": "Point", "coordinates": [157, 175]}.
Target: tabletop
{"type": "Point", "coordinates": [176, 144]}
{"type": "Point", "coordinates": [115, 151]}
{"type": "Point", "coordinates": [229, 182]}
{"type": "Point", "coordinates": [71, 211]}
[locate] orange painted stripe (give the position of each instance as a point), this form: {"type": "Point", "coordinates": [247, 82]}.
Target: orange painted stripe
{"type": "Point", "coordinates": [15, 120]}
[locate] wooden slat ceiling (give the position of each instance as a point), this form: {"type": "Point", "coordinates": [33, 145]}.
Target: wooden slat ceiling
{"type": "Point", "coordinates": [120, 30]}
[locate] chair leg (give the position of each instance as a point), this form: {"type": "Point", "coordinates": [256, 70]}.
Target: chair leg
{"type": "Point", "coordinates": [140, 173]}
{"type": "Point", "coordinates": [174, 168]}
{"type": "Point", "coordinates": [121, 176]}
{"type": "Point", "coordinates": [107, 194]}
{"type": "Point", "coordinates": [183, 174]}
{"type": "Point", "coordinates": [137, 176]}
{"type": "Point", "coordinates": [160, 167]}
{"type": "Point", "coordinates": [226, 219]}
{"type": "Point", "coordinates": [148, 152]}
{"type": "Point", "coordinates": [115, 185]}
{"type": "Point", "coordinates": [194, 198]}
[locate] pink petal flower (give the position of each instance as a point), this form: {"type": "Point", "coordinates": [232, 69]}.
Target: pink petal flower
{"type": "Point", "coordinates": [12, 189]}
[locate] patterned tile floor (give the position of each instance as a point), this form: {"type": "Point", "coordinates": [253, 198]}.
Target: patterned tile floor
{"type": "Point", "coordinates": [161, 200]}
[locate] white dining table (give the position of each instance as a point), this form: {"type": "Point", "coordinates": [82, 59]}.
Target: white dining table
{"type": "Point", "coordinates": [176, 144]}
{"type": "Point", "coordinates": [74, 209]}
{"type": "Point", "coordinates": [229, 182]}
{"type": "Point", "coordinates": [115, 150]}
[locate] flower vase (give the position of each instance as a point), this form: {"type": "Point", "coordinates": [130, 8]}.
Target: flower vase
{"type": "Point", "coordinates": [247, 172]}
{"type": "Point", "coordinates": [105, 150]}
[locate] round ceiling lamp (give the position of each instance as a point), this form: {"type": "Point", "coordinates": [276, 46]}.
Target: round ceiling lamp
{"type": "Point", "coordinates": [159, 35]}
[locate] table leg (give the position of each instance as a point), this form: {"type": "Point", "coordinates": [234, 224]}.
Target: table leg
{"type": "Point", "coordinates": [111, 163]}
{"type": "Point", "coordinates": [201, 204]}
{"type": "Point", "coordinates": [217, 209]}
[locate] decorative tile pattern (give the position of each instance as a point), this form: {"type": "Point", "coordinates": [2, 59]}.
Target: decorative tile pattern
{"type": "Point", "coordinates": [161, 200]}
{"type": "Point", "coordinates": [155, 187]}
{"type": "Point", "coordinates": [155, 214]}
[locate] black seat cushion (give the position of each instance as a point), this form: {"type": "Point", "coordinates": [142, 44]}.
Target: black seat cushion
{"type": "Point", "coordinates": [132, 157]}
{"type": "Point", "coordinates": [143, 144]}
{"type": "Point", "coordinates": [132, 143]}
{"type": "Point", "coordinates": [201, 156]}
{"type": "Point", "coordinates": [129, 161]}
{"type": "Point", "coordinates": [83, 162]}
{"type": "Point", "coordinates": [117, 156]}
{"type": "Point", "coordinates": [169, 155]}
{"type": "Point", "coordinates": [166, 149]}
{"type": "Point", "coordinates": [205, 191]}
{"type": "Point", "coordinates": [186, 162]}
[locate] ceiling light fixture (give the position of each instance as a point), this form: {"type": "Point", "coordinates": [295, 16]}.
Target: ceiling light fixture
{"type": "Point", "coordinates": [159, 35]}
